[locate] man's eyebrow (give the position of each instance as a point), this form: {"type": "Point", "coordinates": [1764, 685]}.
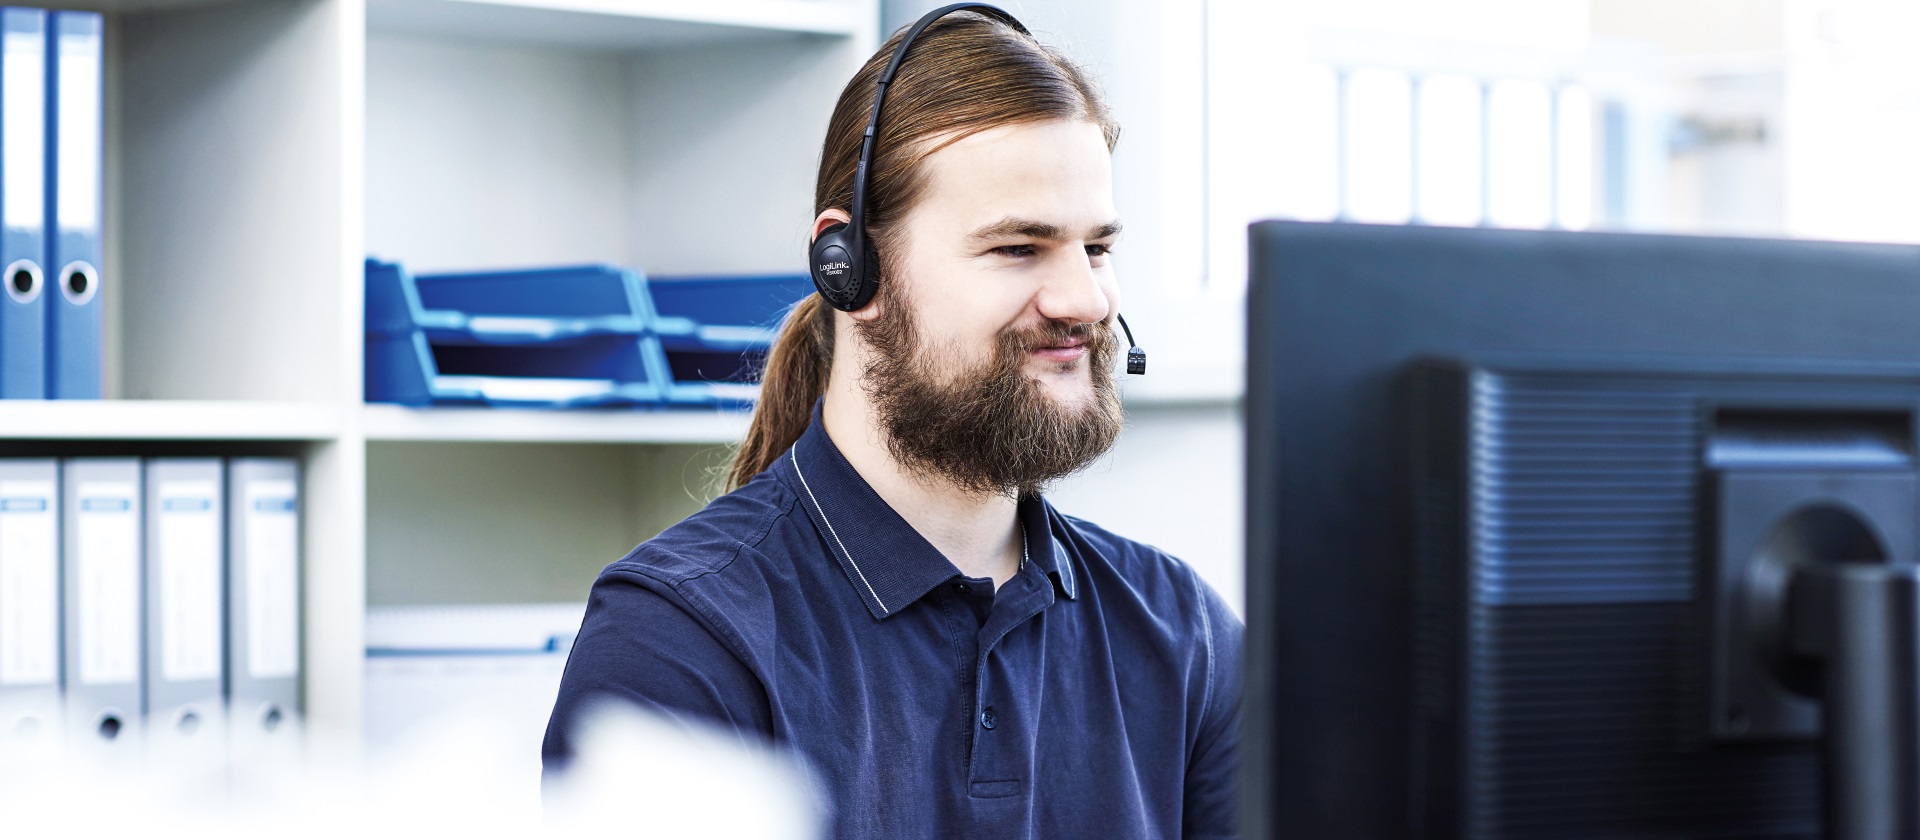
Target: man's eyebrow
{"type": "Point", "coordinates": [1029, 229]}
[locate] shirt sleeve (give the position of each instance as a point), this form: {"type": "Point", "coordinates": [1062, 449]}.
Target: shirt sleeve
{"type": "Point", "coordinates": [641, 644]}
{"type": "Point", "coordinates": [1213, 772]}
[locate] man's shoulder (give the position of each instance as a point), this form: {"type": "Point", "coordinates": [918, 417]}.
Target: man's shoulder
{"type": "Point", "coordinates": [712, 577]}
{"type": "Point", "coordinates": [712, 540]}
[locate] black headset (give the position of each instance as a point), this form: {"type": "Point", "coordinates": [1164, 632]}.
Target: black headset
{"type": "Point", "coordinates": [845, 266]}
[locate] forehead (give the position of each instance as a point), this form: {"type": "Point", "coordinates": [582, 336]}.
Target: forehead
{"type": "Point", "coordinates": [1057, 171]}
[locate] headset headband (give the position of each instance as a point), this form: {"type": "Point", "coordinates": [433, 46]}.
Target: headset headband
{"type": "Point", "coordinates": [858, 224]}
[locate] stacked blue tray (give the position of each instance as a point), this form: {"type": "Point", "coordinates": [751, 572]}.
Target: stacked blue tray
{"type": "Point", "coordinates": [571, 337]}
{"type": "Point", "coordinates": [553, 338]}
{"type": "Point", "coordinates": [716, 330]}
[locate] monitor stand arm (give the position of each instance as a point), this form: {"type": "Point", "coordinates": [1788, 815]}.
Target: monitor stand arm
{"type": "Point", "coordinates": [1860, 623]}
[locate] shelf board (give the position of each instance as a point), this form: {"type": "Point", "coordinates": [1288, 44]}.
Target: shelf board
{"type": "Point", "coordinates": [166, 420]}
{"type": "Point", "coordinates": [616, 24]}
{"type": "Point", "coordinates": [497, 425]}
{"type": "Point", "coordinates": [114, 6]}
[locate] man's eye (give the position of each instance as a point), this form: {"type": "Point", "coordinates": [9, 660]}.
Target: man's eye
{"type": "Point", "coordinates": [1014, 250]}
{"type": "Point", "coordinates": [1099, 250]}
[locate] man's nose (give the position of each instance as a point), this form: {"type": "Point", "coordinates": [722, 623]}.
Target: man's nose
{"type": "Point", "coordinates": [1071, 291]}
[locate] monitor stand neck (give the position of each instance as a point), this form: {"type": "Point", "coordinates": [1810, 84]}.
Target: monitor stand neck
{"type": "Point", "coordinates": [1861, 622]}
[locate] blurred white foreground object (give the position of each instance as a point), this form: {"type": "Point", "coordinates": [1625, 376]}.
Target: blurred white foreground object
{"type": "Point", "coordinates": [501, 661]}
{"type": "Point", "coordinates": [640, 774]}
{"type": "Point", "coordinates": [459, 720]}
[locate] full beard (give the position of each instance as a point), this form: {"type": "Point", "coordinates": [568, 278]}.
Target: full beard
{"type": "Point", "coordinates": [991, 429]}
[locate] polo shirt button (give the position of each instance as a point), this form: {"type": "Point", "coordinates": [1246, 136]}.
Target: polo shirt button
{"type": "Point", "coordinates": [988, 719]}
{"type": "Point", "coordinates": [963, 588]}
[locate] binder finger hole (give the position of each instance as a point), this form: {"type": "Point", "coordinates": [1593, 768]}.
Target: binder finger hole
{"type": "Point", "coordinates": [109, 727]}
{"type": "Point", "coordinates": [23, 281]}
{"type": "Point", "coordinates": [79, 282]}
{"type": "Point", "coordinates": [188, 723]}
{"type": "Point", "coordinates": [270, 721]}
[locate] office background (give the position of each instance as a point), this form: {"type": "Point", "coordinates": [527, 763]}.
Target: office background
{"type": "Point", "coordinates": [257, 152]}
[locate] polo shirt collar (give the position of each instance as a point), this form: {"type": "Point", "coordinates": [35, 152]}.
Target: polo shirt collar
{"type": "Point", "coordinates": [1044, 548]}
{"type": "Point", "coordinates": [888, 563]}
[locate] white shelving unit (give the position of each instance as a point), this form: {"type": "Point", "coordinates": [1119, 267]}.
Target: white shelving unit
{"type": "Point", "coordinates": [259, 150]}
{"type": "Point", "coordinates": [399, 423]}
{"type": "Point", "coordinates": [176, 420]}
{"type": "Point", "coordinates": [632, 24]}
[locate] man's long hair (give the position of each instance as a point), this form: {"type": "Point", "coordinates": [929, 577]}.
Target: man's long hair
{"type": "Point", "coordinates": [965, 74]}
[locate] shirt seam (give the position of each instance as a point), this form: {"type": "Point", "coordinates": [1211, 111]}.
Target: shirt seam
{"type": "Point", "coordinates": [739, 545]}
{"type": "Point", "coordinates": [708, 614]}
{"type": "Point", "coordinates": [1206, 689]}
{"type": "Point", "coordinates": [736, 645]}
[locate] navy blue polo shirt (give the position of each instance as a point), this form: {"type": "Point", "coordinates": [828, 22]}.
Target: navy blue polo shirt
{"type": "Point", "coordinates": [1095, 694]}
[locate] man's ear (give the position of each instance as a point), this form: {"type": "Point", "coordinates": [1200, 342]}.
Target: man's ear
{"type": "Point", "coordinates": [827, 218]}
{"type": "Point", "coordinates": [836, 216]}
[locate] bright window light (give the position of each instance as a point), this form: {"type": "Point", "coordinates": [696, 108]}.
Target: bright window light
{"type": "Point", "coordinates": [1449, 154]}
{"type": "Point", "coordinates": [1309, 143]}
{"type": "Point", "coordinates": [1575, 180]}
{"type": "Point", "coordinates": [1519, 147]}
{"type": "Point", "coordinates": [1379, 140]}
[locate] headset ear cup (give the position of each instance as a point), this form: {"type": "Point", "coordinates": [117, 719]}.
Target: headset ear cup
{"type": "Point", "coordinates": [831, 263]}
{"type": "Point", "coordinates": [867, 280]}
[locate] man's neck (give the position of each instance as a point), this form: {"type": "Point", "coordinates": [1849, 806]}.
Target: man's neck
{"type": "Point", "coordinates": [978, 533]}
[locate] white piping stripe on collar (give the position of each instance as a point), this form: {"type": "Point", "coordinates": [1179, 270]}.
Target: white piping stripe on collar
{"type": "Point", "coordinates": [1065, 563]}
{"type": "Point", "coordinates": [836, 534]}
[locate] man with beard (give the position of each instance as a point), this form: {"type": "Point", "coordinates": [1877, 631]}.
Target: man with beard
{"type": "Point", "coordinates": [885, 591]}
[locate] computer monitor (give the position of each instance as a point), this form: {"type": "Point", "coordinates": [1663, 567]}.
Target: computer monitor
{"type": "Point", "coordinates": [1580, 535]}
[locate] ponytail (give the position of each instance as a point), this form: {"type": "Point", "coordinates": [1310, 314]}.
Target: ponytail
{"type": "Point", "coordinates": [795, 377]}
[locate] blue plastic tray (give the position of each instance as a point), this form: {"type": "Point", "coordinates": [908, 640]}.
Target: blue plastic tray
{"type": "Point", "coordinates": [716, 331]}
{"type": "Point", "coordinates": [551, 338]}
{"type": "Point", "coordinates": [723, 312]}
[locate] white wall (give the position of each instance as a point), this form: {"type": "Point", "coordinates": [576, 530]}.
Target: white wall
{"type": "Point", "coordinates": [471, 523]}
{"type": "Point", "coordinates": [226, 201]}
{"type": "Point", "coordinates": [752, 187]}
{"type": "Point", "coordinates": [1852, 119]}
{"type": "Point", "coordinates": [487, 155]}
{"type": "Point", "coordinates": [1836, 85]}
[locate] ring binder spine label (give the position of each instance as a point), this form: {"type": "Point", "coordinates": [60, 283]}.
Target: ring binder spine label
{"type": "Point", "coordinates": [273, 600]}
{"type": "Point", "coordinates": [108, 528]}
{"type": "Point", "coordinates": [189, 553]}
{"type": "Point", "coordinates": [29, 584]}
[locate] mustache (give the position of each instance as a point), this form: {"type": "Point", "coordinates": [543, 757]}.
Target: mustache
{"type": "Point", "coordinates": [1023, 340]}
